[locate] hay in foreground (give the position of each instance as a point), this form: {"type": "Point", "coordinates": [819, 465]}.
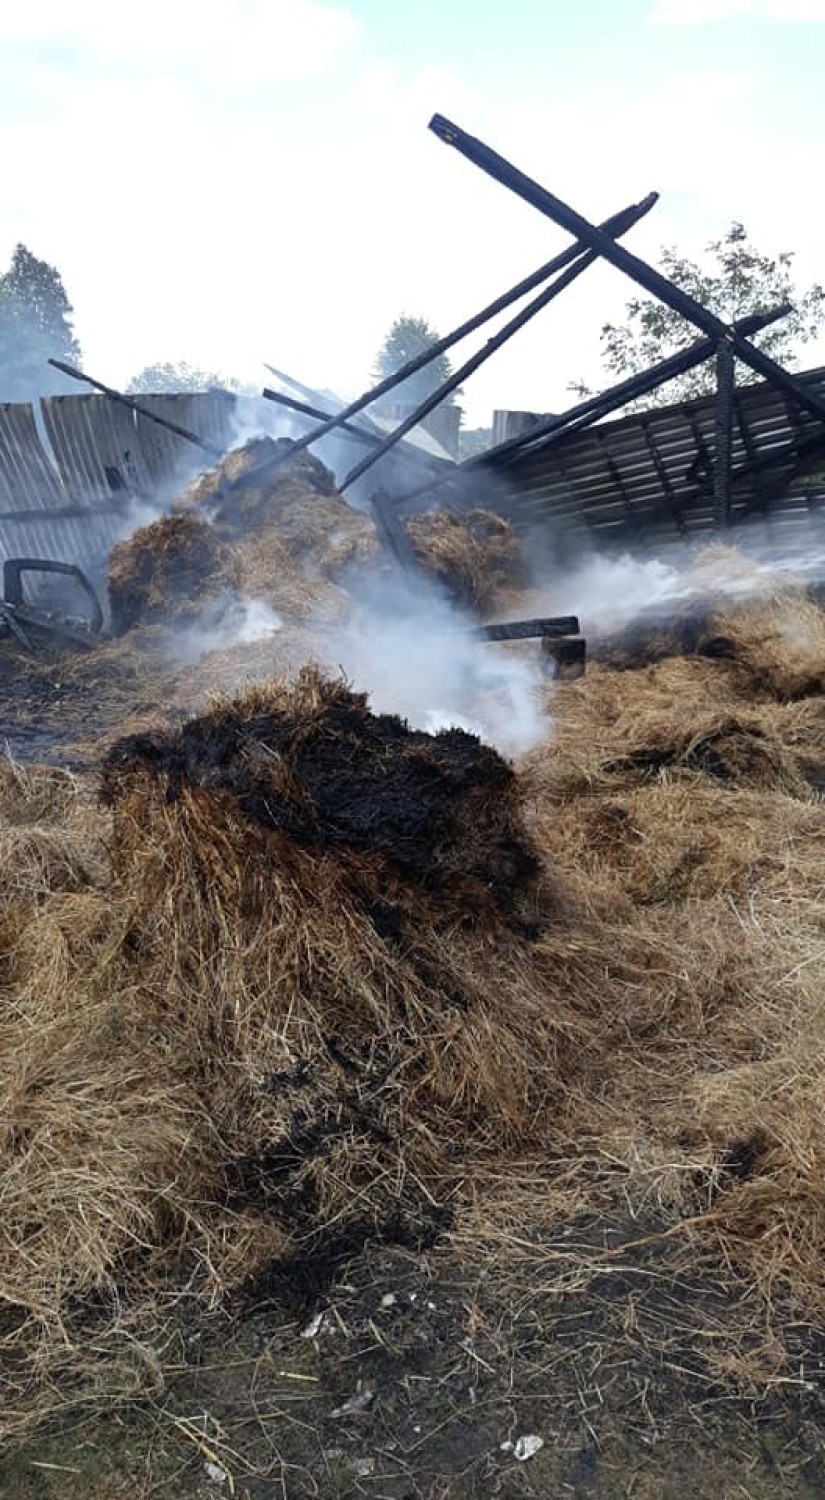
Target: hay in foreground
{"type": "Point", "coordinates": [316, 979]}
{"type": "Point", "coordinates": [282, 1022]}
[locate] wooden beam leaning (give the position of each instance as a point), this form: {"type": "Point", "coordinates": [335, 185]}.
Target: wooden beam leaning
{"type": "Point", "coordinates": [548, 295]}
{"type": "Point", "coordinates": [558, 263]}
{"type": "Point", "coordinates": [637, 269]}
{"type": "Point", "coordinates": [291, 403]}
{"type": "Point", "coordinates": [135, 406]}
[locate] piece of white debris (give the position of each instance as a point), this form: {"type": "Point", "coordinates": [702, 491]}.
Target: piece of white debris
{"type": "Point", "coordinates": [314, 1328]}
{"type": "Point", "coordinates": [215, 1474]}
{"type": "Point", "coordinates": [527, 1446]}
{"type": "Point", "coordinates": [363, 1467]}
{"type": "Point", "coordinates": [359, 1402]}
{"type": "Point", "coordinates": [389, 1299]}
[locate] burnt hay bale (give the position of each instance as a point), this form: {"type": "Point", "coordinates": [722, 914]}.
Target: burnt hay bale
{"type": "Point", "coordinates": [312, 762]}
{"type": "Point", "coordinates": [167, 572]}
{"type": "Point", "coordinates": [252, 483]}
{"type": "Point", "coordinates": [334, 925]}
{"type": "Point", "coordinates": [287, 520]}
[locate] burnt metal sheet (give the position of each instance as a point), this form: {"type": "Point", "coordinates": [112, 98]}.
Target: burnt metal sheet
{"type": "Point", "coordinates": [94, 448]}
{"type": "Point", "coordinates": [170, 460]}
{"type": "Point", "coordinates": [27, 478]}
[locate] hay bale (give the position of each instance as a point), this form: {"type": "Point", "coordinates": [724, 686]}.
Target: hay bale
{"type": "Point", "coordinates": [168, 572]}
{"type": "Point", "coordinates": [311, 761]}
{"type": "Point", "coordinates": [243, 490]}
{"type": "Point", "coordinates": [476, 557]}
{"type": "Point", "coordinates": [268, 571]}
{"type": "Point", "coordinates": [291, 528]}
{"type": "Point", "coordinates": [309, 998]}
{"type": "Point", "coordinates": [778, 644]}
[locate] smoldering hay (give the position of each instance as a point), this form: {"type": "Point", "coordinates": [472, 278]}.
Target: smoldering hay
{"type": "Point", "coordinates": [280, 532]}
{"type": "Point", "coordinates": [259, 547]}
{"type": "Point", "coordinates": [304, 994]}
{"type": "Point", "coordinates": [309, 978]}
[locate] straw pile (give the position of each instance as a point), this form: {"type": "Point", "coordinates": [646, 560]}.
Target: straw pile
{"type": "Point", "coordinates": [168, 573]}
{"type": "Point", "coordinates": [281, 1021]}
{"type": "Point", "coordinates": [680, 802]}
{"type": "Point", "coordinates": [272, 525]}
{"type": "Point", "coordinates": [313, 978]}
{"type": "Point", "coordinates": [476, 557]}
{"type": "Point", "coordinates": [291, 529]}
{"type": "Point", "coordinates": [771, 625]}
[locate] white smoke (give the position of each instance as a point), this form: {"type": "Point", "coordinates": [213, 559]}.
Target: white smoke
{"type": "Point", "coordinates": [409, 650]}
{"type": "Point", "coordinates": [608, 592]}
{"type": "Point", "coordinates": [416, 656]}
{"type": "Point", "coordinates": [229, 623]}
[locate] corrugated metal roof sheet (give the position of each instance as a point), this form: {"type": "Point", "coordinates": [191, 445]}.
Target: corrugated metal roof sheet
{"type": "Point", "coordinates": [72, 472]}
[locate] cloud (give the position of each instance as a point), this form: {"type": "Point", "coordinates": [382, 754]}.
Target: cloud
{"type": "Point", "coordinates": [197, 213]}
{"type": "Point", "coordinates": [701, 12]}
{"type": "Point", "coordinates": [222, 41]}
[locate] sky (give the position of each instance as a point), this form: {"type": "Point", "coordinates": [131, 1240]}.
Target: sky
{"type": "Point", "coordinates": [233, 181]}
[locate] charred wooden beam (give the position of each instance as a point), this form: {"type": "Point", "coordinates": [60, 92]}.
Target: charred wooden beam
{"type": "Point", "coordinates": [361, 434]}
{"type": "Point", "coordinates": [638, 270]}
{"type": "Point", "coordinates": [135, 406]}
{"type": "Point", "coordinates": [722, 479]}
{"type": "Point", "coordinates": [548, 295]}
{"type": "Point", "coordinates": [594, 408]}
{"type": "Point", "coordinates": [392, 533]}
{"type": "Point", "coordinates": [565, 258]}
{"type": "Point", "coordinates": [796, 456]}
{"type": "Point", "coordinates": [525, 630]}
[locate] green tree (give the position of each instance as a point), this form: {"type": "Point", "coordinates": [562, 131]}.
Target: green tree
{"type": "Point", "coordinates": [473, 441]}
{"type": "Point", "coordinates": [735, 280]}
{"type": "Point", "coordinates": [35, 325]}
{"type": "Point", "coordinates": [180, 376]}
{"type": "Point", "coordinates": [408, 338]}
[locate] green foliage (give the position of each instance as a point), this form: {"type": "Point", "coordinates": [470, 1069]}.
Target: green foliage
{"type": "Point", "coordinates": [180, 376]}
{"type": "Point", "coordinates": [735, 281]}
{"type": "Point", "coordinates": [35, 325]}
{"type": "Point", "coordinates": [474, 440]}
{"type": "Point", "coordinates": [408, 338]}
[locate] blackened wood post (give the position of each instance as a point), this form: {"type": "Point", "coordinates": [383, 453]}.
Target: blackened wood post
{"type": "Point", "coordinates": [392, 532]}
{"type": "Point", "coordinates": [723, 452]}
{"type": "Point", "coordinates": [637, 269]}
{"type": "Point", "coordinates": [587, 412]}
